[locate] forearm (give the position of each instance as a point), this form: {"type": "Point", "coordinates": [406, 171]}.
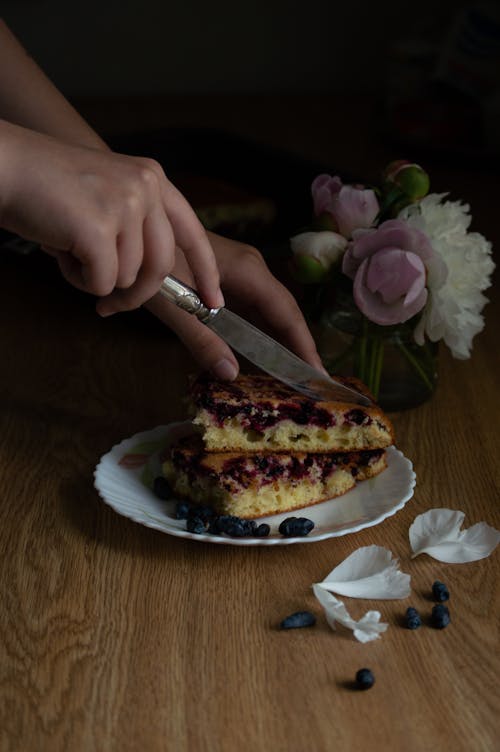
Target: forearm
{"type": "Point", "coordinates": [28, 98]}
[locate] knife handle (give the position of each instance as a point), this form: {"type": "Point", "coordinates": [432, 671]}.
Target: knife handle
{"type": "Point", "coordinates": [186, 298]}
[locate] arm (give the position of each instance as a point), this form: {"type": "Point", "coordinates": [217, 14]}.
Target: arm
{"type": "Point", "coordinates": [112, 221]}
{"type": "Point", "coordinates": [28, 98]}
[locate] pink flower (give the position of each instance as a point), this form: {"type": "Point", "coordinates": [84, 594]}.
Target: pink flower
{"type": "Point", "coordinates": [351, 207]}
{"type": "Point", "coordinates": [388, 266]}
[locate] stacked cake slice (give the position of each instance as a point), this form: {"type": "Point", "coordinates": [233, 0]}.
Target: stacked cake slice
{"type": "Point", "coordinates": [262, 448]}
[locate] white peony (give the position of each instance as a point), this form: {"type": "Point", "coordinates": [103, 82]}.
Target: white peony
{"type": "Point", "coordinates": [457, 278]}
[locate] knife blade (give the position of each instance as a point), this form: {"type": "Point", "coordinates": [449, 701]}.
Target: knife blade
{"type": "Point", "coordinates": [260, 349]}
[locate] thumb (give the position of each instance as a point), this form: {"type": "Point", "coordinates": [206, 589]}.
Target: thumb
{"type": "Point", "coordinates": [207, 348]}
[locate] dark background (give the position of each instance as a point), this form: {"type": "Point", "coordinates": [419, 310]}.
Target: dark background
{"type": "Point", "coordinates": [249, 101]}
{"type": "Point", "coordinates": [160, 46]}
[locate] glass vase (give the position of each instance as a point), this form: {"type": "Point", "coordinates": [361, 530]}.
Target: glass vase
{"type": "Point", "coordinates": [400, 373]}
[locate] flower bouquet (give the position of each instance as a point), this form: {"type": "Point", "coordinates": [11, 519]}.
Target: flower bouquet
{"type": "Point", "coordinates": [386, 273]}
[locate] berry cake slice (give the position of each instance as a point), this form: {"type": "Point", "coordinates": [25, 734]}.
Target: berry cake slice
{"type": "Point", "coordinates": [255, 485]}
{"type": "Point", "coordinates": [257, 412]}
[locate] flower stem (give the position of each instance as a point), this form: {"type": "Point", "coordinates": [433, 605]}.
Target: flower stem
{"type": "Point", "coordinates": [373, 370]}
{"type": "Point", "coordinates": [416, 365]}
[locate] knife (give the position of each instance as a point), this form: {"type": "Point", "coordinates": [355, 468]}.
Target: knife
{"type": "Point", "coordinates": [260, 349]}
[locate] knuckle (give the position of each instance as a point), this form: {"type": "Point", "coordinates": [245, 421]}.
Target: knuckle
{"type": "Point", "coordinates": [100, 230]}
{"type": "Point", "coordinates": [131, 199]}
{"type": "Point", "coordinates": [251, 256]}
{"type": "Point", "coordinates": [149, 172]}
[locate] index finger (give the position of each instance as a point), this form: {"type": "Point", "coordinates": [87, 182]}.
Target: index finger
{"type": "Point", "coordinates": [191, 236]}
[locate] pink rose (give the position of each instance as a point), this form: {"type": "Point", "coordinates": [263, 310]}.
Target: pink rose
{"type": "Point", "coordinates": [388, 266]}
{"type": "Point", "coordinates": [351, 207]}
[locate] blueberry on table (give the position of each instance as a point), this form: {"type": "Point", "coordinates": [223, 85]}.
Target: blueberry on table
{"type": "Point", "coordinates": [440, 591]}
{"type": "Point", "coordinates": [364, 678]}
{"type": "Point", "coordinates": [412, 618]}
{"type": "Point", "coordinates": [440, 617]}
{"type": "Point", "coordinates": [296, 527]}
{"type": "Point", "coordinates": [298, 620]}
{"type": "Point", "coordinates": [161, 488]}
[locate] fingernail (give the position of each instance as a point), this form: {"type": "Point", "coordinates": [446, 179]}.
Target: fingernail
{"type": "Point", "coordinates": [226, 370]}
{"type": "Point", "coordinates": [104, 312]}
{"type": "Point", "coordinates": [220, 299]}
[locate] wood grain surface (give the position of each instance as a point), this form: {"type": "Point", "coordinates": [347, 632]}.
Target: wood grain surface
{"type": "Point", "coordinates": [116, 637]}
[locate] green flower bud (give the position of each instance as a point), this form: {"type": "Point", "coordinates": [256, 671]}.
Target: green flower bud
{"type": "Point", "coordinates": [308, 270]}
{"type": "Point", "coordinates": [413, 181]}
{"type": "Point", "coordinates": [410, 178]}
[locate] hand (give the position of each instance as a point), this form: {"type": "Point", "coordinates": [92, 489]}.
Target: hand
{"type": "Point", "coordinates": [251, 290]}
{"type": "Point", "coordinates": [111, 221]}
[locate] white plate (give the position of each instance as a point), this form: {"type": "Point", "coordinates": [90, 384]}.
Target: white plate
{"type": "Point", "coordinates": [124, 487]}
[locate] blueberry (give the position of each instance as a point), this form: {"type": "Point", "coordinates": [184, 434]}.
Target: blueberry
{"type": "Point", "coordinates": [196, 525]}
{"type": "Point", "coordinates": [234, 526]}
{"type": "Point", "coordinates": [161, 488]}
{"type": "Point", "coordinates": [213, 528]}
{"type": "Point", "coordinates": [440, 617]}
{"type": "Point", "coordinates": [182, 510]}
{"type": "Point", "coordinates": [231, 525]}
{"type": "Point", "coordinates": [250, 527]}
{"type": "Point", "coordinates": [356, 416]}
{"type": "Point", "coordinates": [204, 513]}
{"type": "Point", "coordinates": [296, 526]}
{"type": "Point", "coordinates": [298, 619]}
{"type": "Point", "coordinates": [440, 591]}
{"type": "Point", "coordinates": [412, 619]}
{"type": "Point", "coordinates": [364, 678]}
{"type": "Point", "coordinates": [262, 530]}
{"type": "Point", "coordinates": [225, 521]}
{"type": "Point", "coordinates": [237, 528]}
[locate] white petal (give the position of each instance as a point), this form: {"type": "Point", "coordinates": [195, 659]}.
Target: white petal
{"type": "Point", "coordinates": [326, 247]}
{"type": "Point", "coordinates": [368, 628]}
{"type": "Point", "coordinates": [437, 533]}
{"type": "Point", "coordinates": [369, 572]}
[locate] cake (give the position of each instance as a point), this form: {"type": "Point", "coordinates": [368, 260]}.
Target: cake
{"type": "Point", "coordinates": [259, 413]}
{"type": "Point", "coordinates": [252, 485]}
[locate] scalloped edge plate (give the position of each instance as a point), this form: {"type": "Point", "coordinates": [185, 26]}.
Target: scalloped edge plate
{"type": "Point", "coordinates": [122, 476]}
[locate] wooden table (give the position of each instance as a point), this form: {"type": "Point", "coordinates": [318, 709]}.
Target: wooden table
{"type": "Point", "coordinates": [116, 637]}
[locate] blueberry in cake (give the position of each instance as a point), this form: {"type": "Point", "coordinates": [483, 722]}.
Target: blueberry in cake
{"type": "Point", "coordinates": [259, 413]}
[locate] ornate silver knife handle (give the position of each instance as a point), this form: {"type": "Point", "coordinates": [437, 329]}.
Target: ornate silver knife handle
{"type": "Point", "coordinates": [186, 298]}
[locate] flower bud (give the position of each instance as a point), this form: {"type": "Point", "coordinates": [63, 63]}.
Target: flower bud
{"type": "Point", "coordinates": [410, 178]}
{"type": "Point", "coordinates": [314, 253]}
{"type": "Point", "coordinates": [308, 270]}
